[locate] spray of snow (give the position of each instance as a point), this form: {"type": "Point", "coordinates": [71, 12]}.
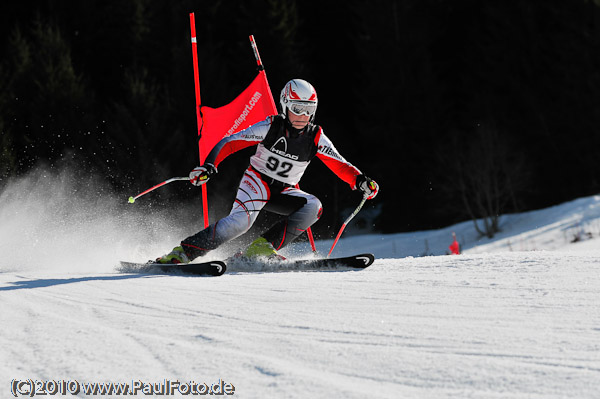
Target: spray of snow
{"type": "Point", "coordinates": [57, 220]}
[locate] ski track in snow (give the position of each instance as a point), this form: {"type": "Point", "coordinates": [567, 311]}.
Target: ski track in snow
{"type": "Point", "coordinates": [518, 325]}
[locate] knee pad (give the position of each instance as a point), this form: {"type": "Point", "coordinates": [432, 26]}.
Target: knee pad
{"type": "Point", "coordinates": [317, 207]}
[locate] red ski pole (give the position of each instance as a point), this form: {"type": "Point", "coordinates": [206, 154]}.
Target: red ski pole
{"type": "Point", "coordinates": [172, 179]}
{"type": "Point", "coordinates": [346, 223]}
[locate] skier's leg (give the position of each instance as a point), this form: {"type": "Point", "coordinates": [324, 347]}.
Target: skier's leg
{"type": "Point", "coordinates": [303, 209]}
{"type": "Point", "coordinates": [253, 193]}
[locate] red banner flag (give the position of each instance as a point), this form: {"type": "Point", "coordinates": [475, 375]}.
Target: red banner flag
{"type": "Point", "coordinates": [253, 105]}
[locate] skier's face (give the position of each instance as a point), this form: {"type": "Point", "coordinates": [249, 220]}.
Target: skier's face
{"type": "Point", "coordinates": [298, 121]}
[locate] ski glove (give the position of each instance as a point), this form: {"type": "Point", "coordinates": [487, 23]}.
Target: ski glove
{"type": "Point", "coordinates": [367, 186]}
{"type": "Point", "coordinates": [201, 174]}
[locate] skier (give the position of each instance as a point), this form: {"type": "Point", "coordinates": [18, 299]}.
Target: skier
{"type": "Point", "coordinates": [286, 143]}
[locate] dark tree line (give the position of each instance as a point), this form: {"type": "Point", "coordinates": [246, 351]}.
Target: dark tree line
{"type": "Point", "coordinates": [459, 109]}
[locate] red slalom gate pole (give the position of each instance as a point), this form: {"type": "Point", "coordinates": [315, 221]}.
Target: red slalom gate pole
{"type": "Point", "coordinates": [198, 113]}
{"type": "Point", "coordinates": [261, 69]}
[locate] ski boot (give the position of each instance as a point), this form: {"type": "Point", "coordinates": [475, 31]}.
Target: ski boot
{"type": "Point", "coordinates": [177, 255]}
{"type": "Point", "coordinates": [261, 248]}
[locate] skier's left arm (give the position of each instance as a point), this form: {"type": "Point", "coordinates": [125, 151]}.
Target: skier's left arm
{"type": "Point", "coordinates": [343, 169]}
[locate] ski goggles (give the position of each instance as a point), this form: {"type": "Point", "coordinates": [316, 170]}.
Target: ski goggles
{"type": "Point", "coordinates": [302, 108]}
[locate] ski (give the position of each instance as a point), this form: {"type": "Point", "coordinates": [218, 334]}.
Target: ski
{"type": "Point", "coordinates": [212, 268]}
{"type": "Point", "coordinates": [361, 261]}
{"type": "Point", "coordinates": [264, 265]}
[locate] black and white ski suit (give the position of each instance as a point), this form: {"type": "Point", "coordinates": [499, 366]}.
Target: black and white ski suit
{"type": "Point", "coordinates": [270, 182]}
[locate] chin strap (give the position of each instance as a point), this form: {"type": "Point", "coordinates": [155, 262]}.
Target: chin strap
{"type": "Point", "coordinates": [292, 130]}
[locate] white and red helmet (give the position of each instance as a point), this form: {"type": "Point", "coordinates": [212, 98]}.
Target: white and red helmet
{"type": "Point", "coordinates": [300, 97]}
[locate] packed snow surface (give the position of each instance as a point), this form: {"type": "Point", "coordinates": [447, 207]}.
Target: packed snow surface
{"type": "Point", "coordinates": [517, 316]}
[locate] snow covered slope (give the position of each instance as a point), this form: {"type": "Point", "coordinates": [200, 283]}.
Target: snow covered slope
{"type": "Point", "coordinates": [554, 228]}
{"type": "Point", "coordinates": [491, 323]}
{"type": "Point", "coordinates": [518, 325]}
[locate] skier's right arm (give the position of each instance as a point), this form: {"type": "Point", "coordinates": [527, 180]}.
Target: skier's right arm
{"type": "Point", "coordinates": [228, 145]}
